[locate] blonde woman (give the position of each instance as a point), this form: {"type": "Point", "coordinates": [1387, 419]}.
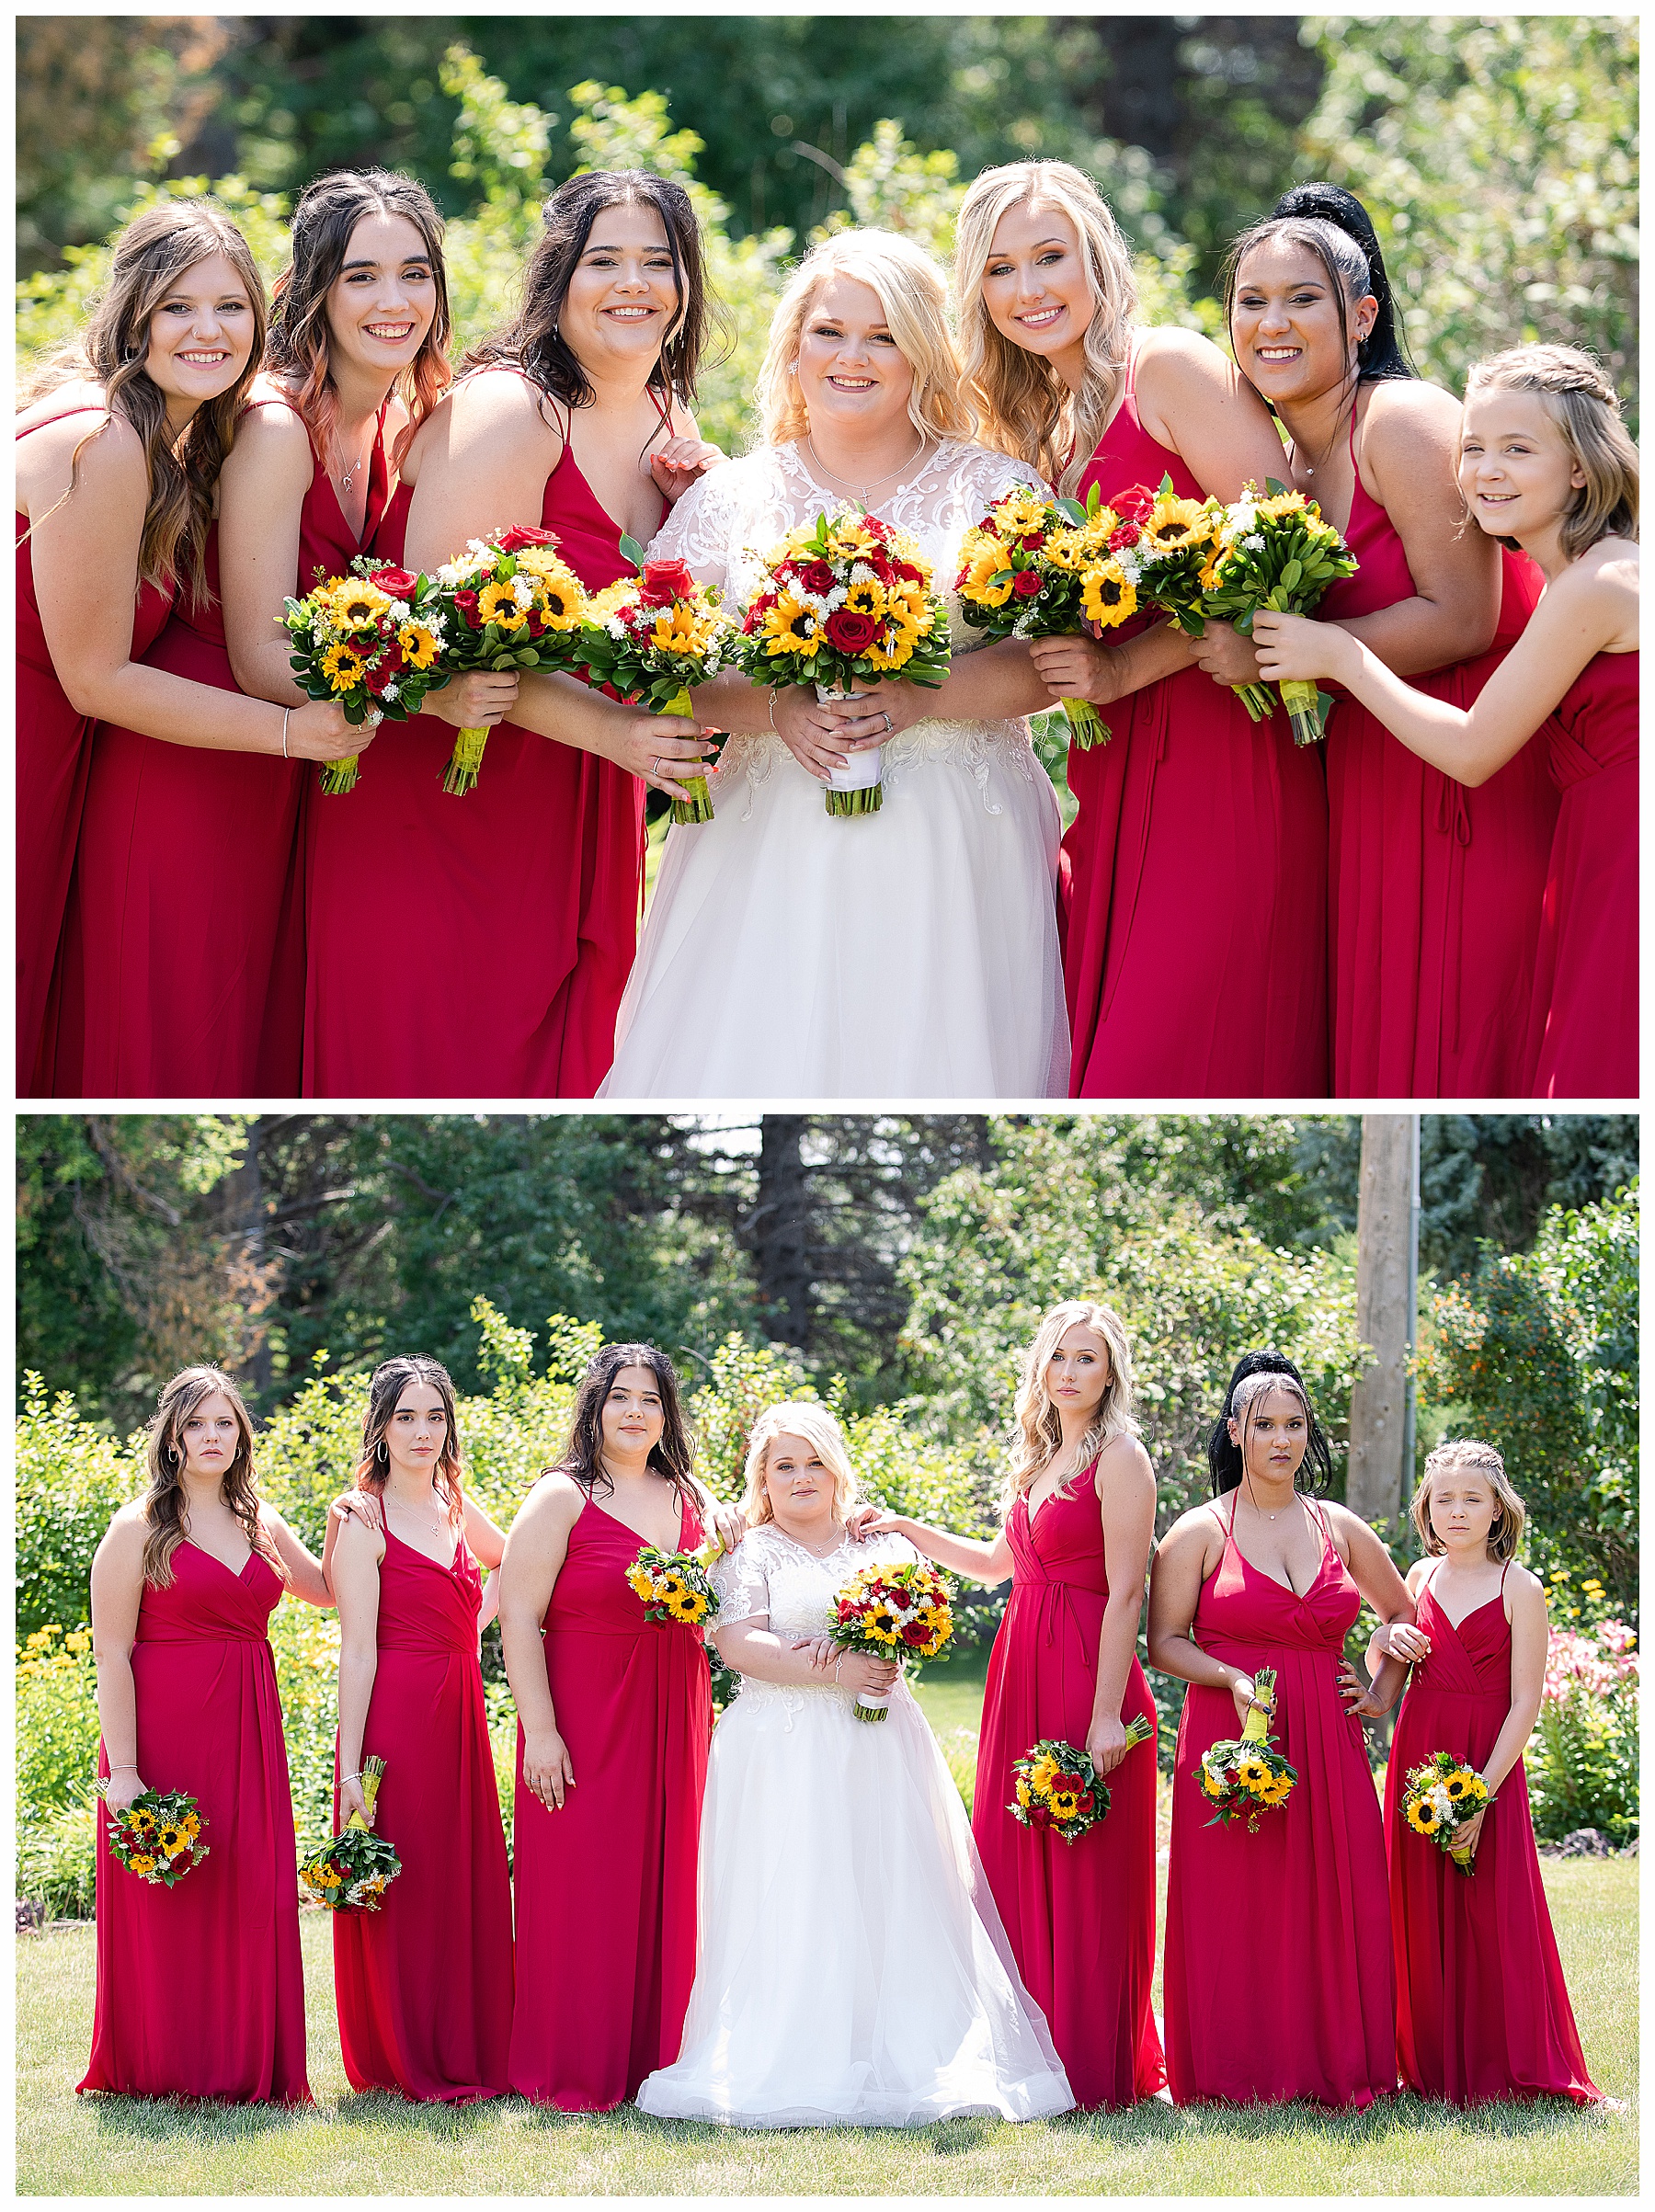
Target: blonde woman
{"type": "Point", "coordinates": [1080, 1518]}
{"type": "Point", "coordinates": [852, 1971]}
{"type": "Point", "coordinates": [908, 952]}
{"type": "Point", "coordinates": [1197, 864]}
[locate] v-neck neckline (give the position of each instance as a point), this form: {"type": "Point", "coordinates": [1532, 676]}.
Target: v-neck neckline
{"type": "Point", "coordinates": [1457, 1626]}
{"type": "Point", "coordinates": [1298, 1596]}
{"type": "Point", "coordinates": [234, 1572]}
{"type": "Point", "coordinates": [615, 1520]}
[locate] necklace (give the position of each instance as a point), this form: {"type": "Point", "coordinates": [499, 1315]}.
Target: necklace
{"type": "Point", "coordinates": [838, 1539]}
{"type": "Point", "coordinates": [401, 1508]}
{"type": "Point", "coordinates": [861, 490]}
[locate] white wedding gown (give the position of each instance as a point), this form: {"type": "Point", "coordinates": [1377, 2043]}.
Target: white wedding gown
{"type": "Point", "coordinates": [851, 1970]}
{"type": "Point", "coordinates": [903, 955]}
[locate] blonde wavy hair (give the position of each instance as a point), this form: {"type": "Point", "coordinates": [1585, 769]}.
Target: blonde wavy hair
{"type": "Point", "coordinates": [1038, 1426]}
{"type": "Point", "coordinates": [1580, 398]}
{"type": "Point", "coordinates": [795, 1417]}
{"type": "Point", "coordinates": [1505, 1531]}
{"type": "Point", "coordinates": [913, 292]}
{"type": "Point", "coordinates": [1027, 410]}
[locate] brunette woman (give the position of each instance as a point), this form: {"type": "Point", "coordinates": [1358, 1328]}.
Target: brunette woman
{"type": "Point", "coordinates": [1433, 890]}
{"type": "Point", "coordinates": [119, 453]}
{"type": "Point", "coordinates": [1268, 1575]}
{"type": "Point", "coordinates": [1079, 1521]}
{"type": "Point", "coordinates": [200, 1987]}
{"type": "Point", "coordinates": [499, 928]}
{"type": "Point", "coordinates": [424, 1983]}
{"type": "Point", "coordinates": [1196, 866]}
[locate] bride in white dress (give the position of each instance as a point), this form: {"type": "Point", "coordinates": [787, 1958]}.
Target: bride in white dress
{"type": "Point", "coordinates": [852, 1970]}
{"type": "Point", "coordinates": [906, 953]}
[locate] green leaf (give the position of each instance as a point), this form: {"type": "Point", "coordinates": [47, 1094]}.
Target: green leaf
{"type": "Point", "coordinates": [1274, 487]}
{"type": "Point", "coordinates": [632, 551]}
{"type": "Point", "coordinates": [1164, 489]}
{"type": "Point", "coordinates": [1070, 509]}
{"type": "Point", "coordinates": [1291, 573]}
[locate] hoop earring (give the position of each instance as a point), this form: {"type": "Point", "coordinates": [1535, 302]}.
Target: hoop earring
{"type": "Point", "coordinates": [381, 1455]}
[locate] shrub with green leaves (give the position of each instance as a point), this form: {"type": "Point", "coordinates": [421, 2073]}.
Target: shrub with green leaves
{"type": "Point", "coordinates": [1583, 1758]}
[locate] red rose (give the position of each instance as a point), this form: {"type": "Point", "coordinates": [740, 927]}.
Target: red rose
{"type": "Point", "coordinates": [849, 632]}
{"type": "Point", "coordinates": [990, 526]}
{"type": "Point", "coordinates": [520, 534]}
{"type": "Point", "coordinates": [396, 582]}
{"type": "Point", "coordinates": [817, 578]}
{"type": "Point", "coordinates": [377, 678]}
{"type": "Point", "coordinates": [915, 1634]}
{"type": "Point", "coordinates": [906, 572]}
{"type": "Point", "coordinates": [536, 622]}
{"type": "Point", "coordinates": [1123, 535]}
{"type": "Point", "coordinates": [1025, 583]}
{"type": "Point", "coordinates": [665, 581]}
{"type": "Point", "coordinates": [1134, 504]}
{"type": "Point", "coordinates": [1040, 1815]}
{"type": "Point", "coordinates": [465, 605]}
{"type": "Point", "coordinates": [1086, 1801]}
{"type": "Point", "coordinates": [881, 563]}
{"type": "Point", "coordinates": [1033, 544]}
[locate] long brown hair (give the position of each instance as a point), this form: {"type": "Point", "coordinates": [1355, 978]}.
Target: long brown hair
{"type": "Point", "coordinates": [163, 1500]}
{"type": "Point", "coordinates": [150, 255]}
{"type": "Point", "coordinates": [583, 1454]}
{"type": "Point", "coordinates": [389, 1381]}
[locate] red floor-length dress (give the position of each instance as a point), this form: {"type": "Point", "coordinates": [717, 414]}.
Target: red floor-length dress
{"type": "Point", "coordinates": [1433, 890]}
{"type": "Point", "coordinates": [478, 945]}
{"type": "Point", "coordinates": [1277, 1976]}
{"type": "Point", "coordinates": [424, 1983]}
{"type": "Point", "coordinates": [1481, 2009]}
{"type": "Point", "coordinates": [1195, 916]}
{"type": "Point", "coordinates": [1080, 1916]}
{"type": "Point", "coordinates": [606, 1887]}
{"type": "Point", "coordinates": [185, 960]}
{"type": "Point", "coordinates": [200, 1989]}
{"type": "Point", "coordinates": [55, 758]}
{"type": "Point", "coordinates": [1583, 1031]}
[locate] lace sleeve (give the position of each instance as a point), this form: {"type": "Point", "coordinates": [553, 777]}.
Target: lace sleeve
{"type": "Point", "coordinates": [700, 527]}
{"type": "Point", "coordinates": [741, 1579]}
{"type": "Point", "coordinates": [995, 475]}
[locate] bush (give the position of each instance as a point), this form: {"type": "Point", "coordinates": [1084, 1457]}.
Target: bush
{"type": "Point", "coordinates": [57, 1859]}
{"type": "Point", "coordinates": [1583, 1758]}
{"type": "Point", "coordinates": [57, 1722]}
{"type": "Point", "coordinates": [72, 1479]}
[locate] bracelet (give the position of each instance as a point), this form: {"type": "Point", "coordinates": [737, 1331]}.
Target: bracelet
{"type": "Point", "coordinates": [285, 712]}
{"type": "Point", "coordinates": [839, 1663]}
{"type": "Point", "coordinates": [345, 1778]}
{"type": "Point", "coordinates": [124, 1769]}
{"type": "Point", "coordinates": [772, 709]}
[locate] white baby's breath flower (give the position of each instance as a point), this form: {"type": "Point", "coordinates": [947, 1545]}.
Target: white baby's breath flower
{"type": "Point", "coordinates": [1255, 543]}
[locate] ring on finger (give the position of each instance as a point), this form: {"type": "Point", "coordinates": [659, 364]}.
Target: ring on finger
{"type": "Point", "coordinates": [890, 726]}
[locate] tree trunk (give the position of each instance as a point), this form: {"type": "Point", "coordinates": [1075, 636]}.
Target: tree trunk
{"type": "Point", "coordinates": [781, 1230]}
{"type": "Point", "coordinates": [1384, 1252]}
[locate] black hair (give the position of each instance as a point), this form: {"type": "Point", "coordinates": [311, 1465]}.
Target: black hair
{"type": "Point", "coordinates": [1225, 1465]}
{"type": "Point", "coordinates": [1384, 352]}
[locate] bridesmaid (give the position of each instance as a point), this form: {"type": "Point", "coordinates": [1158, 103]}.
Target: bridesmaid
{"type": "Point", "coordinates": [424, 1984]}
{"type": "Point", "coordinates": [201, 1991]}
{"type": "Point", "coordinates": [1160, 946]}
{"type": "Point", "coordinates": [1545, 464]}
{"type": "Point", "coordinates": [1433, 892]}
{"type": "Point", "coordinates": [1269, 1576]}
{"type": "Point", "coordinates": [1079, 1522]}
{"type": "Point", "coordinates": [615, 1717]}
{"type": "Point", "coordinates": [500, 929]}
{"type": "Point", "coordinates": [118, 454]}
{"type": "Point", "coordinates": [1481, 2007]}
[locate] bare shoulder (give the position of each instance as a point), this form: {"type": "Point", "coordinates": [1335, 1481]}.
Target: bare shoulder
{"type": "Point", "coordinates": [1403, 409]}
{"type": "Point", "coordinates": [126, 1535]}
{"type": "Point", "coordinates": [1524, 1588]}
{"type": "Point", "coordinates": [1176, 360]}
{"type": "Point", "coordinates": [1417, 1577]}
{"type": "Point", "coordinates": [1191, 1532]}
{"type": "Point", "coordinates": [553, 1503]}
{"type": "Point", "coordinates": [1608, 569]}
{"type": "Point", "coordinates": [1123, 1467]}
{"type": "Point", "coordinates": [1345, 1524]}
{"type": "Point", "coordinates": [111, 453]}
{"type": "Point", "coordinates": [500, 402]}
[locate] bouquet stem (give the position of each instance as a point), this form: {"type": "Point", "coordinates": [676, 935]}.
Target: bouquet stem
{"type": "Point", "coordinates": [467, 760]}
{"type": "Point", "coordinates": [1256, 699]}
{"type": "Point", "coordinates": [371, 1771]}
{"type": "Point", "coordinates": [871, 1704]}
{"type": "Point", "coordinates": [1464, 1859]}
{"type": "Point", "coordinates": [1304, 705]}
{"type": "Point", "coordinates": [867, 800]}
{"type": "Point", "coordinates": [1087, 726]}
{"type": "Point", "coordinates": [698, 807]}
{"type": "Point", "coordinates": [340, 776]}
{"type": "Point", "coordinates": [1255, 1728]}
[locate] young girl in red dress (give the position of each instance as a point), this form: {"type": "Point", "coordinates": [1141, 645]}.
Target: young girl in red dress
{"type": "Point", "coordinates": [1546, 466]}
{"type": "Point", "coordinates": [424, 1983]}
{"type": "Point", "coordinates": [1197, 864]}
{"type": "Point", "coordinates": [1433, 892]}
{"type": "Point", "coordinates": [1277, 1974]}
{"type": "Point", "coordinates": [118, 450]}
{"type": "Point", "coordinates": [1081, 1519]}
{"type": "Point", "coordinates": [499, 929]}
{"type": "Point", "coordinates": [1481, 2008]}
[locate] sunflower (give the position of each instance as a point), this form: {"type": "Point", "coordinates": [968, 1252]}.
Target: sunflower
{"type": "Point", "coordinates": [1020, 515]}
{"type": "Point", "coordinates": [498, 603]}
{"type": "Point", "coordinates": [1025, 1797]}
{"type": "Point", "coordinates": [1176, 525]}
{"type": "Point", "coordinates": [142, 1862]}
{"type": "Point", "coordinates": [980, 585]}
{"type": "Point", "coordinates": [1462, 1784]}
{"type": "Point", "coordinates": [1107, 598]}
{"type": "Point", "coordinates": [562, 596]}
{"type": "Point", "coordinates": [341, 668]}
{"type": "Point", "coordinates": [1421, 1818]}
{"type": "Point", "coordinates": [791, 627]}
{"type": "Point", "coordinates": [1282, 503]}
{"type": "Point", "coordinates": [865, 599]}
{"type": "Point", "coordinates": [1069, 550]}
{"type": "Point", "coordinates": [612, 599]}
{"type": "Point", "coordinates": [850, 542]}
{"type": "Point", "coordinates": [358, 606]}
{"type": "Point", "coordinates": [418, 645]}
{"type": "Point", "coordinates": [677, 630]}
{"type": "Point", "coordinates": [141, 1818]}
{"type": "Point", "coordinates": [171, 1840]}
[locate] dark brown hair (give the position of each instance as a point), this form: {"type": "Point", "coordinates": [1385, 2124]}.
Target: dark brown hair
{"type": "Point", "coordinates": [673, 1456]}
{"type": "Point", "coordinates": [386, 1386]}
{"type": "Point", "coordinates": [163, 1500]}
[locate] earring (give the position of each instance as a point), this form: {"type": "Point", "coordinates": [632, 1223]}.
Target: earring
{"type": "Point", "coordinates": [381, 1453]}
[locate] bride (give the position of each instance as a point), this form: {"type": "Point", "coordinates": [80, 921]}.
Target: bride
{"type": "Point", "coordinates": [852, 1970]}
{"type": "Point", "coordinates": [910, 952]}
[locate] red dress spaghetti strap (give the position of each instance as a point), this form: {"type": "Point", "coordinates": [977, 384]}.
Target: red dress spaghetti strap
{"type": "Point", "coordinates": [55, 758]}
{"type": "Point", "coordinates": [1582, 1028]}
{"type": "Point", "coordinates": [1481, 2007]}
{"type": "Point", "coordinates": [606, 1887]}
{"type": "Point", "coordinates": [200, 1989]}
{"type": "Point", "coordinates": [424, 1984]}
{"type": "Point", "coordinates": [1195, 911]}
{"type": "Point", "coordinates": [1080, 1916]}
{"type": "Point", "coordinates": [1433, 890]}
{"type": "Point", "coordinates": [476, 946]}
{"type": "Point", "coordinates": [184, 970]}
{"type": "Point", "coordinates": [1277, 1976]}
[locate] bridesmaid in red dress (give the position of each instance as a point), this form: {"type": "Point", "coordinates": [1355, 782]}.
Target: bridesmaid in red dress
{"type": "Point", "coordinates": [1481, 2008]}
{"type": "Point", "coordinates": [1081, 1917]}
{"type": "Point", "coordinates": [1547, 466]}
{"type": "Point", "coordinates": [1196, 866]}
{"type": "Point", "coordinates": [1433, 891]}
{"type": "Point", "coordinates": [498, 930]}
{"type": "Point", "coordinates": [615, 1717]}
{"type": "Point", "coordinates": [1269, 1577]}
{"type": "Point", "coordinates": [424, 1983]}
{"type": "Point", "coordinates": [183, 1587]}
{"type": "Point", "coordinates": [117, 458]}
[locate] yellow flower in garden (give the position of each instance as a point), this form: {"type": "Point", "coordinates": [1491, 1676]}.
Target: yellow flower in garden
{"type": "Point", "coordinates": [358, 604]}
{"type": "Point", "coordinates": [1177, 524]}
{"type": "Point", "coordinates": [341, 668]}
{"type": "Point", "coordinates": [498, 603]}
{"type": "Point", "coordinates": [790, 627]}
{"type": "Point", "coordinates": [418, 645]}
{"type": "Point", "coordinates": [1107, 598]}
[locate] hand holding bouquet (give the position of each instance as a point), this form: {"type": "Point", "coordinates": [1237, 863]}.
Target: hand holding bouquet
{"type": "Point", "coordinates": [1442, 1796]}
{"type": "Point", "coordinates": [508, 601]}
{"type": "Point", "coordinates": [846, 600]}
{"type": "Point", "coordinates": [892, 1613]}
{"type": "Point", "coordinates": [674, 1585]}
{"type": "Point", "coordinates": [350, 1874]}
{"type": "Point", "coordinates": [1242, 1777]}
{"type": "Point", "coordinates": [158, 1836]}
{"type": "Point", "coordinates": [651, 637]}
{"type": "Point", "coordinates": [1059, 1789]}
{"type": "Point", "coordinates": [1274, 551]}
{"type": "Point", "coordinates": [370, 642]}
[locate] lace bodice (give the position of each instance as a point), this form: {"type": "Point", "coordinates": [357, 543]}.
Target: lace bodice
{"type": "Point", "coordinates": [769, 1576]}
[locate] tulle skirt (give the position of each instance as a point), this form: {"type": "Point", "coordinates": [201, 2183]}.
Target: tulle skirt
{"type": "Point", "coordinates": [852, 1969]}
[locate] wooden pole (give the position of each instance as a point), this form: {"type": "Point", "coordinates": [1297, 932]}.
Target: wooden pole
{"type": "Point", "coordinates": [1379, 1403]}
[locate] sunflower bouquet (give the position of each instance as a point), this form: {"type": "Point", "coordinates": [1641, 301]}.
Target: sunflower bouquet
{"type": "Point", "coordinates": [1440, 1795]}
{"type": "Point", "coordinates": [1037, 567]}
{"type": "Point", "coordinates": [369, 641]}
{"type": "Point", "coordinates": [1164, 543]}
{"type": "Point", "coordinates": [351, 1872]}
{"type": "Point", "coordinates": [508, 601]}
{"type": "Point", "coordinates": [1242, 1778]}
{"type": "Point", "coordinates": [846, 599]}
{"type": "Point", "coordinates": [1275, 551]}
{"type": "Point", "coordinates": [674, 1585]}
{"type": "Point", "coordinates": [1058, 1788]}
{"type": "Point", "coordinates": [895, 1611]}
{"type": "Point", "coordinates": [158, 1836]}
{"type": "Point", "coordinates": [652, 635]}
